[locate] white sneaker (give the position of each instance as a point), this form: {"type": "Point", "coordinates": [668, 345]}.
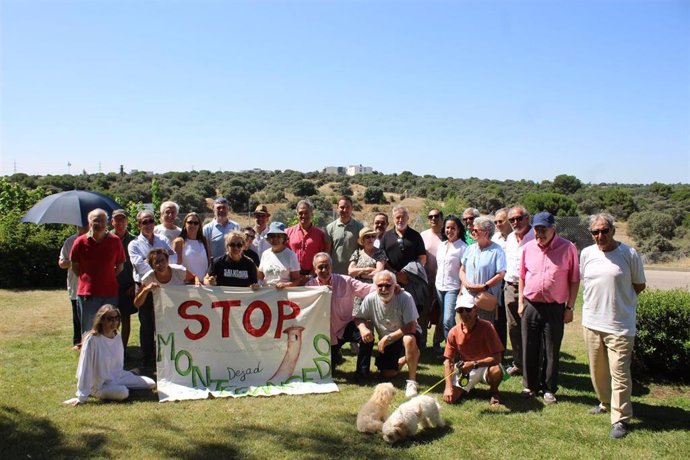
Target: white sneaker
{"type": "Point", "coordinates": [411, 389]}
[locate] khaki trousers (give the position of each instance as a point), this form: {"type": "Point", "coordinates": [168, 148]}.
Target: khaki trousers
{"type": "Point", "coordinates": [609, 366]}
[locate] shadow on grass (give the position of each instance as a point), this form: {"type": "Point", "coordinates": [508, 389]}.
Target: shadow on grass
{"type": "Point", "coordinates": [660, 418]}
{"type": "Point", "coordinates": [27, 436]}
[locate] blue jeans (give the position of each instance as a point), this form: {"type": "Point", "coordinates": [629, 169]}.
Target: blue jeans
{"type": "Point", "coordinates": [89, 306]}
{"type": "Point", "coordinates": [448, 299]}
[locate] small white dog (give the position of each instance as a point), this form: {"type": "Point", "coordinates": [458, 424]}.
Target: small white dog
{"type": "Point", "coordinates": [373, 412]}
{"type": "Point", "coordinates": [419, 411]}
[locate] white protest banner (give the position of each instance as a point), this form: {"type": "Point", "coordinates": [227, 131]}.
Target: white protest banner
{"type": "Point", "coordinates": [231, 342]}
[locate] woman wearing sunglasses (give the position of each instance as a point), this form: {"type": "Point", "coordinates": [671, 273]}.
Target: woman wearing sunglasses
{"type": "Point", "coordinates": [100, 372]}
{"type": "Point", "coordinates": [163, 273]}
{"type": "Point", "coordinates": [234, 268]}
{"type": "Point", "coordinates": [191, 247]}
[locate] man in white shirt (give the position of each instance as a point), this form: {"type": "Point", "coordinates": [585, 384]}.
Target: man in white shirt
{"type": "Point", "coordinates": [613, 276]}
{"type": "Point", "coordinates": [518, 217]}
{"type": "Point", "coordinates": [167, 227]}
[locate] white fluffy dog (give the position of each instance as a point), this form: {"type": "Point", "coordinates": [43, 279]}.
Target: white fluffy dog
{"type": "Point", "coordinates": [419, 411]}
{"type": "Point", "coordinates": [373, 412]}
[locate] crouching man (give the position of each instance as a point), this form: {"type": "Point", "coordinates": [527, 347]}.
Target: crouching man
{"type": "Point", "coordinates": [394, 315]}
{"type": "Point", "coordinates": [475, 348]}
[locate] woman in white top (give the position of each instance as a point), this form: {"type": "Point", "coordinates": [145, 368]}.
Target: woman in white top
{"type": "Point", "coordinates": [448, 257]}
{"type": "Point", "coordinates": [163, 273]}
{"type": "Point", "coordinates": [191, 247]}
{"type": "Point", "coordinates": [279, 266]}
{"type": "Point", "coordinates": [100, 371]}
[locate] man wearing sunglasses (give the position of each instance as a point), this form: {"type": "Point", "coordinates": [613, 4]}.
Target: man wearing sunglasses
{"type": "Point", "coordinates": [613, 276]}
{"type": "Point", "coordinates": [474, 349]}
{"type": "Point", "coordinates": [138, 253]}
{"type": "Point", "coordinates": [549, 281]}
{"type": "Point", "coordinates": [522, 233]}
{"type": "Point", "coordinates": [394, 317]}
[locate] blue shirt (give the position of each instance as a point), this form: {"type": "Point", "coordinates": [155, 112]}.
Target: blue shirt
{"type": "Point", "coordinates": [215, 235]}
{"type": "Point", "coordinates": [482, 264]}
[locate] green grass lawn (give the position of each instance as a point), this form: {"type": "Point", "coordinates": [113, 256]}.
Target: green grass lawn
{"type": "Point", "coordinates": [38, 368]}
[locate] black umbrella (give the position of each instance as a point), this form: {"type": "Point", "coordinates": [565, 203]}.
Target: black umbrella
{"type": "Point", "coordinates": [70, 207]}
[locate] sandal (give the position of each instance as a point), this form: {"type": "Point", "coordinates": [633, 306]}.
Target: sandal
{"type": "Point", "coordinates": [495, 401]}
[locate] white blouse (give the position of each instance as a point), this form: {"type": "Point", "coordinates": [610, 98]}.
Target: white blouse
{"type": "Point", "coordinates": [448, 257]}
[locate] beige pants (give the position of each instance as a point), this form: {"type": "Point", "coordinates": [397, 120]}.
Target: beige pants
{"type": "Point", "coordinates": [609, 367]}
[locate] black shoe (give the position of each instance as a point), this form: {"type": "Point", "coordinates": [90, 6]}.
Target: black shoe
{"type": "Point", "coordinates": [362, 378]}
{"type": "Point", "coordinates": [619, 430]}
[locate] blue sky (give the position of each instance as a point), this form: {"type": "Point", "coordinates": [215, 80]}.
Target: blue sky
{"type": "Point", "coordinates": [488, 89]}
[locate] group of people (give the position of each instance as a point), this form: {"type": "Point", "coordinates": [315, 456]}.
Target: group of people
{"type": "Point", "coordinates": [504, 277]}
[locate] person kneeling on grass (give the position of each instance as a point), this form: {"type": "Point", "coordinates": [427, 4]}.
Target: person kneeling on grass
{"type": "Point", "coordinates": [100, 371]}
{"type": "Point", "coordinates": [394, 315]}
{"type": "Point", "coordinates": [473, 346]}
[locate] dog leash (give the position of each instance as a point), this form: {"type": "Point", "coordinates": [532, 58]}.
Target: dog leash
{"type": "Point", "coordinates": [442, 380]}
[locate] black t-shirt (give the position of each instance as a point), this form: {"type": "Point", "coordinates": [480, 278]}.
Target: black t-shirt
{"type": "Point", "coordinates": [402, 252]}
{"type": "Point", "coordinates": [230, 273]}
{"type": "Point", "coordinates": [253, 255]}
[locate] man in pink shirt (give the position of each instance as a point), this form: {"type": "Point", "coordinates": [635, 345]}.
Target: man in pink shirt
{"type": "Point", "coordinates": [549, 281]}
{"type": "Point", "coordinates": [343, 329]}
{"type": "Point", "coordinates": [305, 239]}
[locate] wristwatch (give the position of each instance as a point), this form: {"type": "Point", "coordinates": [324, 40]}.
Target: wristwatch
{"type": "Point", "coordinates": [486, 287]}
{"type": "Point", "coordinates": [568, 308]}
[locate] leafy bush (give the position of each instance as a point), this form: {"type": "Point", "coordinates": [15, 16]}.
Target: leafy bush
{"type": "Point", "coordinates": [555, 203]}
{"type": "Point", "coordinates": [644, 225]}
{"type": "Point", "coordinates": [374, 195]}
{"type": "Point", "coordinates": [662, 345]}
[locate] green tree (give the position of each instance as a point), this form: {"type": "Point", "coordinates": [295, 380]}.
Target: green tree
{"type": "Point", "coordinates": [566, 185]}
{"type": "Point", "coordinates": [374, 195]}
{"type": "Point", "coordinates": [555, 203]}
{"type": "Point", "coordinates": [644, 225]}
{"type": "Point", "coordinates": [304, 188]}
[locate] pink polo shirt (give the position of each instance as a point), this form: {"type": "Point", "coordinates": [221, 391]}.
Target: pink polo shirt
{"type": "Point", "coordinates": [548, 271]}
{"type": "Point", "coordinates": [343, 292]}
{"type": "Point", "coordinates": [306, 244]}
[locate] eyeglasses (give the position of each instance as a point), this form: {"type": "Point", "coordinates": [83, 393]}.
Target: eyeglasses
{"type": "Point", "coordinates": [603, 231]}
{"type": "Point", "coordinates": [235, 245]}
{"type": "Point", "coordinates": [384, 286]}
{"type": "Point", "coordinates": [193, 222]}
{"type": "Point", "coordinates": [113, 318]}
{"type": "Point", "coordinates": [323, 267]}
{"type": "Point", "coordinates": [433, 216]}
{"type": "Point", "coordinates": [147, 222]}
{"type": "Point", "coordinates": [274, 235]}
{"type": "Point", "coordinates": [515, 219]}
{"type": "Point", "coordinates": [369, 237]}
{"type": "Point", "coordinates": [464, 310]}
{"type": "Point", "coordinates": [468, 219]}
{"type": "Point", "coordinates": [401, 244]}
{"type": "Point", "coordinates": [249, 236]}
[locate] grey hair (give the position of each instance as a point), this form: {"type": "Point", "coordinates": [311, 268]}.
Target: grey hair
{"type": "Point", "coordinates": [605, 216]}
{"type": "Point", "coordinates": [388, 273]}
{"type": "Point", "coordinates": [167, 204]}
{"type": "Point", "coordinates": [474, 211]}
{"type": "Point", "coordinates": [306, 203]}
{"type": "Point", "coordinates": [485, 223]}
{"type": "Point", "coordinates": [399, 207]}
{"type": "Point", "coordinates": [519, 208]}
{"type": "Point", "coordinates": [505, 210]}
{"type": "Point", "coordinates": [321, 255]}
{"type": "Point", "coordinates": [143, 212]}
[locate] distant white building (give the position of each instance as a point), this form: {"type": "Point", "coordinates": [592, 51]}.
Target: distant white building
{"type": "Point", "coordinates": [353, 170]}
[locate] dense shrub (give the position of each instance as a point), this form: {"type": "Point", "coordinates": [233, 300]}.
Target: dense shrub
{"type": "Point", "coordinates": [662, 345]}
{"type": "Point", "coordinates": [374, 195]}
{"type": "Point", "coordinates": [30, 253]}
